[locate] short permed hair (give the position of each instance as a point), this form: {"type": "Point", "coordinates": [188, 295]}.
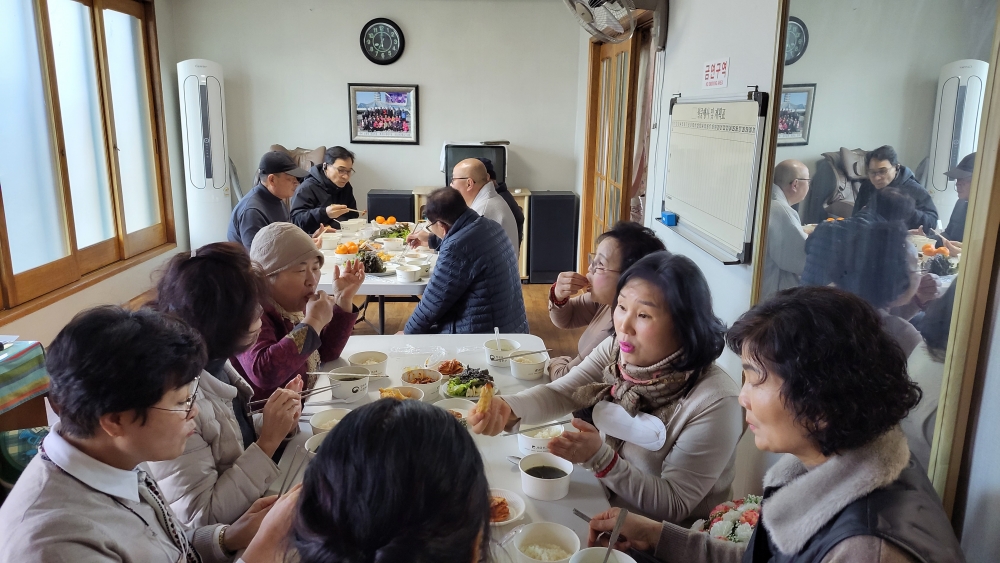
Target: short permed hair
{"type": "Point", "coordinates": [109, 359]}
{"type": "Point", "coordinates": [842, 375]}
{"type": "Point", "coordinates": [217, 291]}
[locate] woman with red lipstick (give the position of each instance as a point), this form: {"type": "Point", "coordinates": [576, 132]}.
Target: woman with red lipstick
{"type": "Point", "coordinates": [826, 385]}
{"type": "Point", "coordinates": [301, 327]}
{"type": "Point", "coordinates": [616, 251]}
{"type": "Point", "coordinates": [669, 415]}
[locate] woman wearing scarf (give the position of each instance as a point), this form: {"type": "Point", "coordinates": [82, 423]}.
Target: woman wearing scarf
{"type": "Point", "coordinates": [825, 385]}
{"type": "Point", "coordinates": [301, 327]}
{"type": "Point", "coordinates": [669, 415]}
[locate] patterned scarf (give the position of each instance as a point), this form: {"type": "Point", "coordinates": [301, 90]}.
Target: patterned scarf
{"type": "Point", "coordinates": [299, 337]}
{"type": "Point", "coordinates": [653, 390]}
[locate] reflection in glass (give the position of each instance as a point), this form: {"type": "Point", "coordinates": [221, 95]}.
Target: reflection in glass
{"type": "Point", "coordinates": [28, 176]}
{"type": "Point", "coordinates": [133, 125]}
{"type": "Point", "coordinates": [83, 130]}
{"type": "Point", "coordinates": [889, 157]}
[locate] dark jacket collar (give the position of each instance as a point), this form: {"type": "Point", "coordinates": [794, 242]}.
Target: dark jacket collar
{"type": "Point", "coordinates": [464, 220]}
{"type": "Point", "coordinates": [324, 182]}
{"type": "Point", "coordinates": [264, 193]}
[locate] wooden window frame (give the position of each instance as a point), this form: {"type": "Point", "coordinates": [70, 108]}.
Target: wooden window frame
{"type": "Point", "coordinates": [79, 266]}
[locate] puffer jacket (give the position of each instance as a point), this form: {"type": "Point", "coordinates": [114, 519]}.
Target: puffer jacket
{"type": "Point", "coordinates": [475, 285]}
{"type": "Point", "coordinates": [925, 214]}
{"type": "Point", "coordinates": [312, 197]}
{"type": "Point", "coordinates": [215, 480]}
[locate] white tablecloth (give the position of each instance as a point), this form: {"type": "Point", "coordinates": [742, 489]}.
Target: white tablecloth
{"type": "Point", "coordinates": [585, 492]}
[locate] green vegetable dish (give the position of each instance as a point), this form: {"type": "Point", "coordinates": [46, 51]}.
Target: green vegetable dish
{"type": "Point", "coordinates": [470, 383]}
{"type": "Point", "coordinates": [373, 264]}
{"type": "Point", "coordinates": [399, 231]}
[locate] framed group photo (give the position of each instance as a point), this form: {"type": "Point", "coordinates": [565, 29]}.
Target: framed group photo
{"type": "Point", "coordinates": [795, 114]}
{"type": "Point", "coordinates": [384, 113]}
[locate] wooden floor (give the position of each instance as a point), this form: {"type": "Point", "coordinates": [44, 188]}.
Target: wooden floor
{"type": "Point", "coordinates": [536, 297]}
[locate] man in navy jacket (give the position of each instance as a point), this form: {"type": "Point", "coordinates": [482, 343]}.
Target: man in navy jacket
{"type": "Point", "coordinates": [278, 176]}
{"type": "Point", "coordinates": [475, 285]}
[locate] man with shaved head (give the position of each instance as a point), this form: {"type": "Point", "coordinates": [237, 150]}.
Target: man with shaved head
{"type": "Point", "coordinates": [470, 178]}
{"type": "Point", "coordinates": [785, 256]}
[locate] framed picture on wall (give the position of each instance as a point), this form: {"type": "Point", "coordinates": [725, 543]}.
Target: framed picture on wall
{"type": "Point", "coordinates": [795, 114]}
{"type": "Point", "coordinates": [384, 113]}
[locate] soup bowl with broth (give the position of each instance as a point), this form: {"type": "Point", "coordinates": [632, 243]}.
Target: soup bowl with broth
{"type": "Point", "coordinates": [545, 476]}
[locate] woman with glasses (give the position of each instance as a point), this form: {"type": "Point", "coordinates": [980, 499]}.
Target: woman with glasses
{"type": "Point", "coordinates": [658, 421]}
{"type": "Point", "coordinates": [884, 170]}
{"type": "Point", "coordinates": [617, 249]}
{"type": "Point", "coordinates": [325, 196]}
{"type": "Point", "coordinates": [123, 384]}
{"type": "Point", "coordinates": [226, 465]}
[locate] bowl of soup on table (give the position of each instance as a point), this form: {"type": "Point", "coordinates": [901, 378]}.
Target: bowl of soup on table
{"type": "Point", "coordinates": [349, 383]}
{"type": "Point", "coordinates": [545, 476]}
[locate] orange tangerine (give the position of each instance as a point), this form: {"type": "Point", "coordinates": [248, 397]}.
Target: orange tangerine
{"type": "Point", "coordinates": [390, 221]}
{"type": "Point", "coordinates": [943, 251]}
{"type": "Point", "coordinates": [380, 220]}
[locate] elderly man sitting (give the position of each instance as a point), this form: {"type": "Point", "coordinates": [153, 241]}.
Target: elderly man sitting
{"type": "Point", "coordinates": [475, 285]}
{"type": "Point", "coordinates": [470, 178]}
{"type": "Point", "coordinates": [279, 176]}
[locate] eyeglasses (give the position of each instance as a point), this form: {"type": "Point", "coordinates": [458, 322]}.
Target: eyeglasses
{"type": "Point", "coordinates": [880, 173]}
{"type": "Point", "coordinates": [806, 180]}
{"type": "Point", "coordinates": [598, 266]}
{"type": "Point", "coordinates": [188, 404]}
{"type": "Point", "coordinates": [345, 171]}
{"type": "Point", "coordinates": [459, 178]}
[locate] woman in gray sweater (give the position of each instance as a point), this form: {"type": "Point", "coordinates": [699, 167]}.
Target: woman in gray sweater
{"type": "Point", "coordinates": [665, 419]}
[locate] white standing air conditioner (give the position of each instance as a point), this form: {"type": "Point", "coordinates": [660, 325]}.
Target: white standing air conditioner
{"type": "Point", "coordinates": [955, 131]}
{"type": "Point", "coordinates": [206, 150]}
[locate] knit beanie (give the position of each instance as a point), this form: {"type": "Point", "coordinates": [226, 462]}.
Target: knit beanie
{"type": "Point", "coordinates": [280, 245]}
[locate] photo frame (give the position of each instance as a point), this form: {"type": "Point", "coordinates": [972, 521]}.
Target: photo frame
{"type": "Point", "coordinates": [795, 111]}
{"type": "Point", "coordinates": [384, 114]}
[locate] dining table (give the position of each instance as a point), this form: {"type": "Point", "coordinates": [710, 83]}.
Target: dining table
{"type": "Point", "coordinates": [585, 492]}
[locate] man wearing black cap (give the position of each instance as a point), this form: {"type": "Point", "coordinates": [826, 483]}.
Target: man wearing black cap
{"type": "Point", "coordinates": [278, 176]}
{"type": "Point", "coordinates": [962, 174]}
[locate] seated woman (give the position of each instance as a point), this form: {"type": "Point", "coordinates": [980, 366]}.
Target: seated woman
{"type": "Point", "coordinates": [433, 513]}
{"type": "Point", "coordinates": [226, 464]}
{"type": "Point", "coordinates": [325, 195]}
{"type": "Point", "coordinates": [301, 327]}
{"type": "Point", "coordinates": [669, 414]}
{"type": "Point", "coordinates": [124, 386]}
{"type": "Point", "coordinates": [617, 250]}
{"type": "Point", "coordinates": [826, 386]}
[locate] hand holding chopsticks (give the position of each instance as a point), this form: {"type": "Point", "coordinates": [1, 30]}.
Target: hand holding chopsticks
{"type": "Point", "coordinates": [281, 415]}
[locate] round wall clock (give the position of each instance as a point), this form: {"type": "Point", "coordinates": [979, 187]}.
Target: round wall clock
{"type": "Point", "coordinates": [796, 40]}
{"type": "Point", "coordinates": [382, 41]}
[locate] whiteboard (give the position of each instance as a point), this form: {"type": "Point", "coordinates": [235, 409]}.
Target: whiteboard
{"type": "Point", "coordinates": [713, 165]}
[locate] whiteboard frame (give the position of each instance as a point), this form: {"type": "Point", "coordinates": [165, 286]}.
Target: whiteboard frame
{"type": "Point", "coordinates": [698, 237]}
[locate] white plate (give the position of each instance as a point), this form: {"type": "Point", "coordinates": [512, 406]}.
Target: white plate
{"type": "Point", "coordinates": [443, 391]}
{"type": "Point", "coordinates": [514, 502]}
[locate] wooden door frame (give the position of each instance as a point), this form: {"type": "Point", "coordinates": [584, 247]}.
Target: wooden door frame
{"type": "Point", "coordinates": [591, 149]}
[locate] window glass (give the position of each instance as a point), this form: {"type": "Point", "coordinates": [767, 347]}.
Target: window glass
{"type": "Point", "coordinates": [133, 126]}
{"type": "Point", "coordinates": [83, 129]}
{"type": "Point", "coordinates": [28, 175]}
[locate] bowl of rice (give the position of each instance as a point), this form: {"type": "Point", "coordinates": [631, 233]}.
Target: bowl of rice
{"type": "Point", "coordinates": [546, 541]}
{"type": "Point", "coordinates": [538, 441]}
{"type": "Point", "coordinates": [324, 420]}
{"type": "Point", "coordinates": [596, 555]}
{"type": "Point", "coordinates": [528, 367]}
{"type": "Point", "coordinates": [374, 362]}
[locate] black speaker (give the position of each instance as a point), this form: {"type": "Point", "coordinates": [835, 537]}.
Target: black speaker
{"type": "Point", "coordinates": [552, 225]}
{"type": "Point", "coordinates": [396, 203]}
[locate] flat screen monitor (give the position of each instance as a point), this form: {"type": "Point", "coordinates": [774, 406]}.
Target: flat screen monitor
{"type": "Point", "coordinates": [453, 154]}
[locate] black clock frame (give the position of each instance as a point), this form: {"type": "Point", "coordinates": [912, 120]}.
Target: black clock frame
{"type": "Point", "coordinates": [805, 32]}
{"type": "Point", "coordinates": [390, 23]}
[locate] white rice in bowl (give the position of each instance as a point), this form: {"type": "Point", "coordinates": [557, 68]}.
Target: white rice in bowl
{"type": "Point", "coordinates": [545, 552]}
{"type": "Point", "coordinates": [545, 433]}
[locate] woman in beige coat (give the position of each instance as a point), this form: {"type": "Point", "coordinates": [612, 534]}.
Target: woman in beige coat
{"type": "Point", "coordinates": [226, 464]}
{"type": "Point", "coordinates": [617, 249]}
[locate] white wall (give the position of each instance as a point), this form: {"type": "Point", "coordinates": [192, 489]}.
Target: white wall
{"type": "Point", "coordinates": [876, 70]}
{"type": "Point", "coordinates": [745, 31]}
{"type": "Point", "coordinates": [486, 70]}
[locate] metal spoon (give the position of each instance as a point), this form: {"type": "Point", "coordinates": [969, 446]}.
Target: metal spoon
{"type": "Point", "coordinates": [496, 331]}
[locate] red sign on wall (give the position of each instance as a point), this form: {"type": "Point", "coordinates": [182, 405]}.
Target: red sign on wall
{"type": "Point", "coordinates": [716, 74]}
